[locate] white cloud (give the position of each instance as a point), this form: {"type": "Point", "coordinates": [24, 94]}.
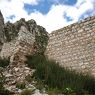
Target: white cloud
{"type": "Point", "coordinates": [13, 7]}
{"type": "Point", "coordinates": [33, 2]}
{"type": "Point", "coordinates": [80, 8]}
{"type": "Point", "coordinates": [53, 19]}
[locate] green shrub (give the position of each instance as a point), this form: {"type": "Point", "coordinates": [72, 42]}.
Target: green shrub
{"type": "Point", "coordinates": [2, 78]}
{"type": "Point", "coordinates": [58, 77]}
{"type": "Point", "coordinates": [21, 85]}
{"type": "Point", "coordinates": [68, 91]}
{"type": "Point", "coordinates": [41, 38]}
{"type": "Point", "coordinates": [26, 92]}
{"type": "Point", "coordinates": [40, 85]}
{"type": "Point", "coordinates": [4, 62]}
{"type": "Point", "coordinates": [5, 92]}
{"type": "Point", "coordinates": [2, 81]}
{"type": "Point", "coordinates": [54, 91]}
{"type": "Point", "coordinates": [29, 78]}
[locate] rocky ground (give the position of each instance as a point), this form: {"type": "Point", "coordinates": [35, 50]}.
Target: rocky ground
{"type": "Point", "coordinates": [17, 74]}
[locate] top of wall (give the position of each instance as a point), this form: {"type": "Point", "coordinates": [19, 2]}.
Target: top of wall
{"type": "Point", "coordinates": [74, 25]}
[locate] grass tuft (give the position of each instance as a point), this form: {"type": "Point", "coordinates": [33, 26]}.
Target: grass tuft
{"type": "Point", "coordinates": [58, 77]}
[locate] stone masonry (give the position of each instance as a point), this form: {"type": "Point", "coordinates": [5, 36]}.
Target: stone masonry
{"type": "Point", "coordinates": [18, 40]}
{"type": "Point", "coordinates": [74, 46]}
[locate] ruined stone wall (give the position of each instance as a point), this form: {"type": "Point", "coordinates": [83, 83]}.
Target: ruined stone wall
{"type": "Point", "coordinates": [74, 46]}
{"type": "Point", "coordinates": [19, 47]}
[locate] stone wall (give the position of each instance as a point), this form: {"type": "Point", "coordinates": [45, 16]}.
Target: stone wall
{"type": "Point", "coordinates": [19, 47]}
{"type": "Point", "coordinates": [74, 46]}
{"type": "Point", "coordinates": [22, 38]}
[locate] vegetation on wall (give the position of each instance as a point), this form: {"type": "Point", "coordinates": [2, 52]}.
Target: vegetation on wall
{"type": "Point", "coordinates": [20, 85]}
{"type": "Point", "coordinates": [55, 76]}
{"type": "Point", "coordinates": [41, 38]}
{"type": "Point", "coordinates": [10, 31]}
{"type": "Point", "coordinates": [4, 62]}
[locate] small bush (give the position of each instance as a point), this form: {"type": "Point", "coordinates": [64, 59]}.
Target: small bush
{"type": "Point", "coordinates": [39, 85]}
{"type": "Point", "coordinates": [26, 92]}
{"type": "Point", "coordinates": [20, 85]}
{"type": "Point", "coordinates": [41, 38]}
{"type": "Point", "coordinates": [2, 81]}
{"type": "Point", "coordinates": [29, 78]}
{"type": "Point", "coordinates": [5, 92]}
{"type": "Point", "coordinates": [4, 62]}
{"type": "Point", "coordinates": [54, 91]}
{"type": "Point", "coordinates": [68, 91]}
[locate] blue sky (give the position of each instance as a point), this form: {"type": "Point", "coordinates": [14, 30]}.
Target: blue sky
{"type": "Point", "coordinates": [51, 14]}
{"type": "Point", "coordinates": [45, 5]}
